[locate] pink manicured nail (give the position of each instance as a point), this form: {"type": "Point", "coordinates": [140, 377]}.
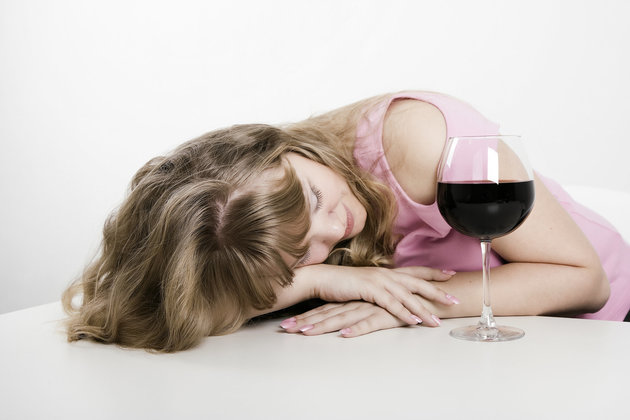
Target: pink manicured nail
{"type": "Point", "coordinates": [345, 331]}
{"type": "Point", "coordinates": [415, 318]}
{"type": "Point", "coordinates": [288, 323]}
{"type": "Point", "coordinates": [306, 328]}
{"type": "Point", "coordinates": [453, 299]}
{"type": "Point", "coordinates": [449, 272]}
{"type": "Point", "coordinates": [436, 319]}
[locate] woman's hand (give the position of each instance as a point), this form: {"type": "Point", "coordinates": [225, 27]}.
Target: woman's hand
{"type": "Point", "coordinates": [351, 319]}
{"type": "Point", "coordinates": [395, 290]}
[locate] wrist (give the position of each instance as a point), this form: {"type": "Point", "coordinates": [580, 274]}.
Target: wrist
{"type": "Point", "coordinates": [304, 282]}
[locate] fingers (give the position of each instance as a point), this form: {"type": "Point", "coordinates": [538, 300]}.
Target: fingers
{"type": "Point", "coordinates": [375, 322]}
{"type": "Point", "coordinates": [326, 308]}
{"type": "Point", "coordinates": [428, 290]}
{"type": "Point", "coordinates": [339, 317]}
{"type": "Point", "coordinates": [399, 302]}
{"type": "Point", "coordinates": [350, 316]}
{"type": "Point", "coordinates": [351, 319]}
{"type": "Point", "coordinates": [410, 279]}
{"type": "Point", "coordinates": [303, 322]}
{"type": "Point", "coordinates": [394, 290]}
{"type": "Point", "coordinates": [401, 299]}
{"type": "Point", "coordinates": [367, 325]}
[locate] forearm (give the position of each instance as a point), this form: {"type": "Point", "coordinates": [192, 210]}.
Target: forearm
{"type": "Point", "coordinates": [527, 289]}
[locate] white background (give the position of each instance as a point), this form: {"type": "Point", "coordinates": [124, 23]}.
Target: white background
{"type": "Point", "coordinates": [89, 91]}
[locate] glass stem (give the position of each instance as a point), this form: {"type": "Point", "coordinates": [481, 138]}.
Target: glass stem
{"type": "Point", "coordinates": [487, 319]}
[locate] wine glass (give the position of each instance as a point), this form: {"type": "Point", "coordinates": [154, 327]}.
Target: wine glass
{"type": "Point", "coordinates": [485, 190]}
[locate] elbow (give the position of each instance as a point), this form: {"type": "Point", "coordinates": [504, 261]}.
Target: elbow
{"type": "Point", "coordinates": [597, 288]}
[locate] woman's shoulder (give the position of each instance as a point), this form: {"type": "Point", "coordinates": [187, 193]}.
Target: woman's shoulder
{"type": "Point", "coordinates": [414, 133]}
{"type": "Point", "coordinates": [421, 117]}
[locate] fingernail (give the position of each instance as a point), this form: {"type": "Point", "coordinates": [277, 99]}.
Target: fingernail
{"type": "Point", "coordinates": [449, 272]}
{"type": "Point", "coordinates": [288, 323]}
{"type": "Point", "coordinates": [306, 328]}
{"type": "Point", "coordinates": [453, 299]}
{"type": "Point", "coordinates": [436, 319]}
{"type": "Point", "coordinates": [415, 318]}
{"type": "Point", "coordinates": [345, 331]}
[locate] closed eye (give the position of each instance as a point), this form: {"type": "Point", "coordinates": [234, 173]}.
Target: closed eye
{"type": "Point", "coordinates": [318, 195]}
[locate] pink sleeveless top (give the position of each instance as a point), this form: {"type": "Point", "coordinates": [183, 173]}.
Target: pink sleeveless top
{"type": "Point", "coordinates": [427, 240]}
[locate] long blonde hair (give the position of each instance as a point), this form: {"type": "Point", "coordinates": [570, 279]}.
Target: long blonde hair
{"type": "Point", "coordinates": [199, 240]}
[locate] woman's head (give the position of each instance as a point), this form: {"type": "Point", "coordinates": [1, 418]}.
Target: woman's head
{"type": "Point", "coordinates": [205, 234]}
{"type": "Point", "coordinates": [335, 213]}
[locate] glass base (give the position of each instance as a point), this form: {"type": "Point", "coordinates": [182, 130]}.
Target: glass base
{"type": "Point", "coordinates": [481, 333]}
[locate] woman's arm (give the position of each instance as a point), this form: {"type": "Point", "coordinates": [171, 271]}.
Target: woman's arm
{"type": "Point", "coordinates": [517, 289]}
{"type": "Point", "coordinates": [552, 266]}
{"type": "Point", "coordinates": [396, 291]}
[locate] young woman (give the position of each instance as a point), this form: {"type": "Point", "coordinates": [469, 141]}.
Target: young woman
{"type": "Point", "coordinates": [251, 219]}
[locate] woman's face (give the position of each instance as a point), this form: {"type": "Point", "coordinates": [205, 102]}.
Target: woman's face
{"type": "Point", "coordinates": [336, 214]}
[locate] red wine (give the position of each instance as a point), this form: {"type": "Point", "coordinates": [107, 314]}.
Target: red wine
{"type": "Point", "coordinates": [485, 210]}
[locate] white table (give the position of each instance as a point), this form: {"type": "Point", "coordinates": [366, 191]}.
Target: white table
{"type": "Point", "coordinates": [561, 369]}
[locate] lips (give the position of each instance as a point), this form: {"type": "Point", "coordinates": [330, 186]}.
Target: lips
{"type": "Point", "coordinates": [349, 223]}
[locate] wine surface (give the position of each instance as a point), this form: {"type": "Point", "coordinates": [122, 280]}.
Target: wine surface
{"type": "Point", "coordinates": [485, 210]}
